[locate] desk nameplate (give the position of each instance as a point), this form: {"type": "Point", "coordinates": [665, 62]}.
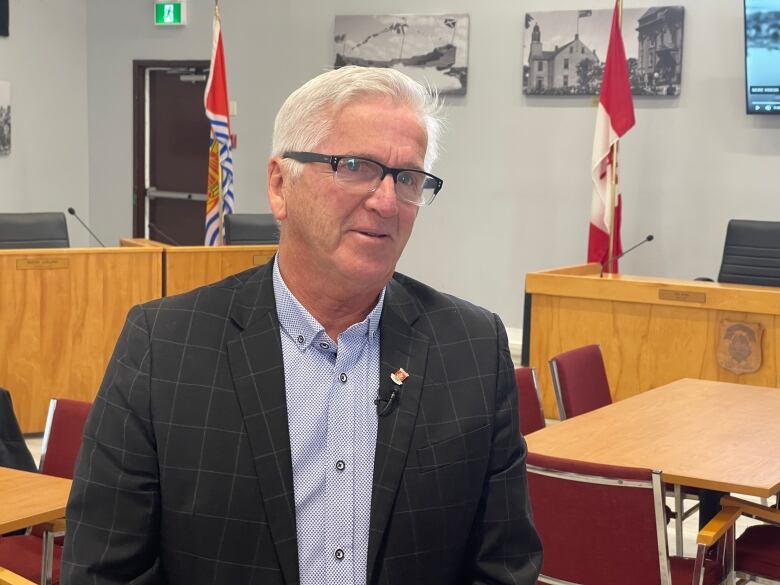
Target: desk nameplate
{"type": "Point", "coordinates": [51, 263]}
{"type": "Point", "coordinates": [666, 294]}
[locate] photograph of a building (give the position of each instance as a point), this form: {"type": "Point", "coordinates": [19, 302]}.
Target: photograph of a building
{"type": "Point", "coordinates": [432, 49]}
{"type": "Point", "coordinates": [564, 51]}
{"type": "Point", "coordinates": [5, 117]}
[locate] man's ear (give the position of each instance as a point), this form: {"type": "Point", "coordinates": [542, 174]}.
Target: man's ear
{"type": "Point", "coordinates": [277, 177]}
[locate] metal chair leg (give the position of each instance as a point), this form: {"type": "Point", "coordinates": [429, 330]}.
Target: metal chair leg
{"type": "Point", "coordinates": [679, 512]}
{"type": "Point", "coordinates": [698, 567]}
{"type": "Point", "coordinates": [47, 558]}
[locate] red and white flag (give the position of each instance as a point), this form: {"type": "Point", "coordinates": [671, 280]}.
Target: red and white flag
{"type": "Point", "coordinates": [615, 117]}
{"type": "Point", "coordinates": [221, 199]}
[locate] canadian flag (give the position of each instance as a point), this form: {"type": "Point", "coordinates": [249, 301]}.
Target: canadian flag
{"type": "Point", "coordinates": [614, 118]}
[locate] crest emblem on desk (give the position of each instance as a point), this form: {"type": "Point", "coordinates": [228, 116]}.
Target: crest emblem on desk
{"type": "Point", "coordinates": [739, 346]}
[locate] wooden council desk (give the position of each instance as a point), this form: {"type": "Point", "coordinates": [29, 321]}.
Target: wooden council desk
{"type": "Point", "coordinates": [61, 311]}
{"type": "Point", "coordinates": [652, 331]}
{"type": "Point", "coordinates": [188, 267]}
{"type": "Point", "coordinates": [712, 435]}
{"type": "Point", "coordinates": [27, 499]}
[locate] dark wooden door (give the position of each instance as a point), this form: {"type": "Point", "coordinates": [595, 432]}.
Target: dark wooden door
{"type": "Point", "coordinates": [171, 164]}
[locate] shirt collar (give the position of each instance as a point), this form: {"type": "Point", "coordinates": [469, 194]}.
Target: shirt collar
{"type": "Point", "coordinates": [304, 329]}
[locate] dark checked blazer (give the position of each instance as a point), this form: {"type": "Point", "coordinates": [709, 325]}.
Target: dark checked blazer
{"type": "Point", "coordinates": [185, 474]}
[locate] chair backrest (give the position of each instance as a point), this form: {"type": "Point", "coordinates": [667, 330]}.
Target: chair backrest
{"type": "Point", "coordinates": [62, 436]}
{"type": "Point", "coordinates": [751, 254]}
{"type": "Point", "coordinates": [599, 523]}
{"type": "Point", "coordinates": [13, 449]}
{"type": "Point", "coordinates": [33, 230]}
{"type": "Point", "coordinates": [580, 381]}
{"type": "Point", "coordinates": [528, 402]}
{"type": "Point", "coordinates": [251, 228]}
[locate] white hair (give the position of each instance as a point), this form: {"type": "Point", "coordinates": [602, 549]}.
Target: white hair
{"type": "Point", "coordinates": [306, 117]}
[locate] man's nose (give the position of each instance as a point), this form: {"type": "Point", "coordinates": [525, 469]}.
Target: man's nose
{"type": "Point", "coordinates": [383, 200]}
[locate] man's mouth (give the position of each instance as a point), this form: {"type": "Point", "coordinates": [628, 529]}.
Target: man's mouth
{"type": "Point", "coordinates": [371, 234]}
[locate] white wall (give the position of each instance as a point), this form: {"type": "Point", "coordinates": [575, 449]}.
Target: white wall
{"type": "Point", "coordinates": [516, 170]}
{"type": "Point", "coordinates": [45, 60]}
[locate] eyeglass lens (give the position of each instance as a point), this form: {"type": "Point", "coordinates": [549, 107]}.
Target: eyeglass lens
{"type": "Point", "coordinates": [365, 175]}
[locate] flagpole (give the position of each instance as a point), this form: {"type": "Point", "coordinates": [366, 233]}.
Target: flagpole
{"type": "Point", "coordinates": [220, 213]}
{"type": "Point", "coordinates": [613, 178]}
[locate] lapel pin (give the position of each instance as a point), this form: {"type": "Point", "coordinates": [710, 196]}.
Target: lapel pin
{"type": "Point", "coordinates": [399, 376]}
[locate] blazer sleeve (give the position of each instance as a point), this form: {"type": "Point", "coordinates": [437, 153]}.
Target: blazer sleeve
{"type": "Point", "coordinates": [504, 544]}
{"type": "Point", "coordinates": [114, 507]}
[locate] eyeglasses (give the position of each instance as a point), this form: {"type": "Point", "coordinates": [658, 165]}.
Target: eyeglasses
{"type": "Point", "coordinates": [359, 175]}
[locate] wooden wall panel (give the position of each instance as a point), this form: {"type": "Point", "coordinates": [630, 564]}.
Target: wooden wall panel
{"type": "Point", "coordinates": [647, 340]}
{"type": "Point", "coordinates": [188, 267]}
{"type": "Point", "coordinates": [60, 314]}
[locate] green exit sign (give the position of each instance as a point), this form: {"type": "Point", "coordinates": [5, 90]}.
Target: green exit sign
{"type": "Point", "coordinates": [170, 14]}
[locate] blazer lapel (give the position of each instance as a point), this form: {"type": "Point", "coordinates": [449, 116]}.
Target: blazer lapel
{"type": "Point", "coordinates": [258, 376]}
{"type": "Point", "coordinates": [401, 347]}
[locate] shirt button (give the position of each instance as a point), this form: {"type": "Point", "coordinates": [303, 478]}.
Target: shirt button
{"type": "Point", "coordinates": [340, 465]}
{"type": "Point", "coordinates": [339, 554]}
{"type": "Point", "coordinates": [324, 345]}
{"type": "Point", "coordinates": [301, 339]}
{"type": "Point", "coordinates": [343, 377]}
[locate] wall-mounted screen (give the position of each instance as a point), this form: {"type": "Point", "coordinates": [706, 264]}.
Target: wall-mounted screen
{"type": "Point", "coordinates": [762, 56]}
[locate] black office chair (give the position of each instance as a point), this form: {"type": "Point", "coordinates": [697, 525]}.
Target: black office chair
{"type": "Point", "coordinates": [33, 230]}
{"type": "Point", "coordinates": [751, 254]}
{"type": "Point", "coordinates": [251, 228]}
{"type": "Point", "coordinates": [13, 449]}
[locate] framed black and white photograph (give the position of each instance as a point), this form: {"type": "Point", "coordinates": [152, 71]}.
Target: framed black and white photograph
{"type": "Point", "coordinates": [5, 118]}
{"type": "Point", "coordinates": [3, 18]}
{"type": "Point", "coordinates": [432, 49]}
{"type": "Point", "coordinates": [564, 50]}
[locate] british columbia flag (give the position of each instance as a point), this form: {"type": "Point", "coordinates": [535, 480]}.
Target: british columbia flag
{"type": "Point", "coordinates": [221, 199]}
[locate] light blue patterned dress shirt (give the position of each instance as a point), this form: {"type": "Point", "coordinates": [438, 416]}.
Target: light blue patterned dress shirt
{"type": "Point", "coordinates": [332, 423]}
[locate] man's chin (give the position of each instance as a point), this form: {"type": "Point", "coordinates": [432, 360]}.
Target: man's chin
{"type": "Point", "coordinates": [371, 274]}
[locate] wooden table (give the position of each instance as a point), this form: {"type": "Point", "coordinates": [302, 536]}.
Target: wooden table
{"type": "Point", "coordinates": [712, 435]}
{"type": "Point", "coordinates": [27, 499]}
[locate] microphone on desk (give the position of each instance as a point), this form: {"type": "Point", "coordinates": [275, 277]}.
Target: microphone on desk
{"type": "Point", "coordinates": [163, 234]}
{"type": "Point", "coordinates": [76, 215]}
{"type": "Point", "coordinates": [648, 238]}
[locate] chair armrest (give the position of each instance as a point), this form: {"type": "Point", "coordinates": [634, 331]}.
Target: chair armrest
{"type": "Point", "coordinates": [9, 578]}
{"type": "Point", "coordinates": [718, 526]}
{"type": "Point", "coordinates": [753, 510]}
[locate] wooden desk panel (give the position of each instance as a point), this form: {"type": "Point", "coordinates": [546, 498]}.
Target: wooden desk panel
{"type": "Point", "coordinates": [61, 311]}
{"type": "Point", "coordinates": [188, 267]}
{"type": "Point", "coordinates": [712, 435]}
{"type": "Point", "coordinates": [27, 499]}
{"type": "Point", "coordinates": [651, 331]}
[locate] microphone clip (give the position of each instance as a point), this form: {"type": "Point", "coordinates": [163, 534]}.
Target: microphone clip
{"type": "Point", "coordinates": [389, 403]}
{"type": "Point", "coordinates": [398, 378]}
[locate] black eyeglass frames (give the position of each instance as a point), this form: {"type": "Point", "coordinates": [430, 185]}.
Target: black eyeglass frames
{"type": "Point", "coordinates": [360, 175]}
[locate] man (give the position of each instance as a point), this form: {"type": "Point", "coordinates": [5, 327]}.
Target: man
{"type": "Point", "coordinates": [319, 419]}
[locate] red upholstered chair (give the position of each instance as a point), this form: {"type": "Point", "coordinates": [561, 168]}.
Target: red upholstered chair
{"type": "Point", "coordinates": [528, 402]}
{"type": "Point", "coordinates": [36, 556]}
{"type": "Point", "coordinates": [580, 381]}
{"type": "Point", "coordinates": [581, 385]}
{"type": "Point", "coordinates": [757, 550]}
{"type": "Point", "coordinates": [605, 524]}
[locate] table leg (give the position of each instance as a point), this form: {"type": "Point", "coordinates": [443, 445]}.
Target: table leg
{"type": "Point", "coordinates": [709, 505]}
